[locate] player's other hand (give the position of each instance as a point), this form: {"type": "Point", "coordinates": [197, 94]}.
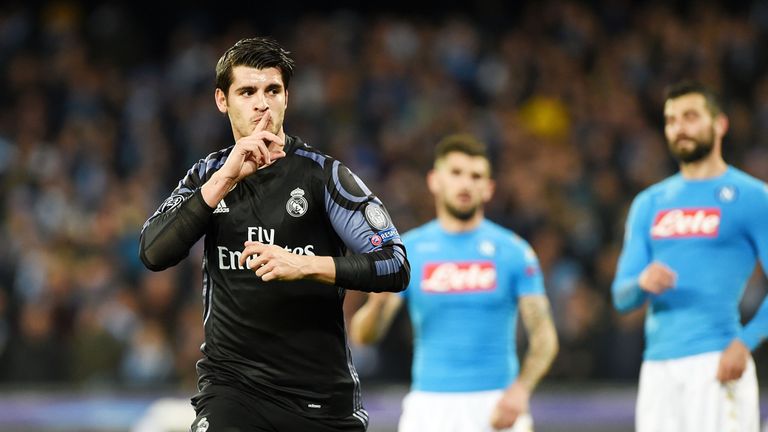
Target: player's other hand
{"type": "Point", "coordinates": [252, 152]}
{"type": "Point", "coordinates": [733, 362]}
{"type": "Point", "coordinates": [657, 278]}
{"type": "Point", "coordinates": [271, 262]}
{"type": "Point", "coordinates": [512, 404]}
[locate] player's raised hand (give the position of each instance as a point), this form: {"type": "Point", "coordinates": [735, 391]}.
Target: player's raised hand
{"type": "Point", "coordinates": [252, 152]}
{"type": "Point", "coordinates": [657, 278]}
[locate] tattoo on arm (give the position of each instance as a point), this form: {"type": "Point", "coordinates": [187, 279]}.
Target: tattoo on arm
{"type": "Point", "coordinates": [542, 339]}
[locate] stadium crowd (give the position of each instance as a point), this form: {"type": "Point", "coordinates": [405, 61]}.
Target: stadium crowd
{"type": "Point", "coordinates": [100, 116]}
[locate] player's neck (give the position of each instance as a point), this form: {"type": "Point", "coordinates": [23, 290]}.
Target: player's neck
{"type": "Point", "coordinates": [712, 166]}
{"type": "Point", "coordinates": [455, 225]}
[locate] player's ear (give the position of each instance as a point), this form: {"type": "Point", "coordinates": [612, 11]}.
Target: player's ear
{"type": "Point", "coordinates": [489, 190]}
{"type": "Point", "coordinates": [286, 98]}
{"type": "Point", "coordinates": [432, 181]}
{"type": "Point", "coordinates": [221, 100]}
{"type": "Point", "coordinates": [721, 125]}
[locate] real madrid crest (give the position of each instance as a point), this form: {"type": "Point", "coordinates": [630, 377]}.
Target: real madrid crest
{"type": "Point", "coordinates": [297, 205]}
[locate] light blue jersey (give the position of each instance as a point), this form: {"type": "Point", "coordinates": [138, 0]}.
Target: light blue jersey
{"type": "Point", "coordinates": [711, 233]}
{"type": "Point", "coordinates": [462, 301]}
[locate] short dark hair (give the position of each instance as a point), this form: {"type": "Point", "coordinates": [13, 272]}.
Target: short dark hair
{"type": "Point", "coordinates": [256, 52]}
{"type": "Point", "coordinates": [461, 143]}
{"type": "Point", "coordinates": [683, 88]}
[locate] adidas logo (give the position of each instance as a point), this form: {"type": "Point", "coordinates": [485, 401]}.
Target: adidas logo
{"type": "Point", "coordinates": [221, 207]}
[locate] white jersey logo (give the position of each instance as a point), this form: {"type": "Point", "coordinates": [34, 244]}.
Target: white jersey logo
{"type": "Point", "coordinates": [221, 207]}
{"type": "Point", "coordinates": [456, 277]}
{"type": "Point", "coordinates": [690, 222]}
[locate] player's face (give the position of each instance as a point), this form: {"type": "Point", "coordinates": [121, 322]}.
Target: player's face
{"type": "Point", "coordinates": [689, 127]}
{"type": "Point", "coordinates": [461, 184]}
{"type": "Point", "coordinates": [252, 93]}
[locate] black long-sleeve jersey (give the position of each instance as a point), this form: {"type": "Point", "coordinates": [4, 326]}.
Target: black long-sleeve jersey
{"type": "Point", "coordinates": [282, 340]}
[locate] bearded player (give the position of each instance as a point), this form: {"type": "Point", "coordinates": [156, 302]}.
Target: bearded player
{"type": "Point", "coordinates": [691, 244]}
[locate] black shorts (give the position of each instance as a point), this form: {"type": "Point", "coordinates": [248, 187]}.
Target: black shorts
{"type": "Point", "coordinates": [226, 409]}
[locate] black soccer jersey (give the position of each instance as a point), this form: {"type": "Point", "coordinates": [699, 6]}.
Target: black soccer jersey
{"type": "Point", "coordinates": [283, 340]}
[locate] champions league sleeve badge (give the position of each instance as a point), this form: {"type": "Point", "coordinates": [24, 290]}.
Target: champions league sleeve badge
{"type": "Point", "coordinates": [297, 205]}
{"type": "Point", "coordinates": [171, 203]}
{"type": "Point", "coordinates": [376, 217]}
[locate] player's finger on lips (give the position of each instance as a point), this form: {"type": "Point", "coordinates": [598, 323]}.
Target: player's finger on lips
{"type": "Point", "coordinates": [263, 121]}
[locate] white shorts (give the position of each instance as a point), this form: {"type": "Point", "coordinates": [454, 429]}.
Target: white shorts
{"type": "Point", "coordinates": [454, 412]}
{"type": "Point", "coordinates": [684, 395]}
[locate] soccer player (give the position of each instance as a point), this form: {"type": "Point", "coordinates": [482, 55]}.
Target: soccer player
{"type": "Point", "coordinates": [691, 243]}
{"type": "Point", "coordinates": [469, 278]}
{"type": "Point", "coordinates": [287, 230]}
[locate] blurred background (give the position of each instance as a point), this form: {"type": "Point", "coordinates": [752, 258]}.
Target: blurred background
{"type": "Point", "coordinates": [105, 106]}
